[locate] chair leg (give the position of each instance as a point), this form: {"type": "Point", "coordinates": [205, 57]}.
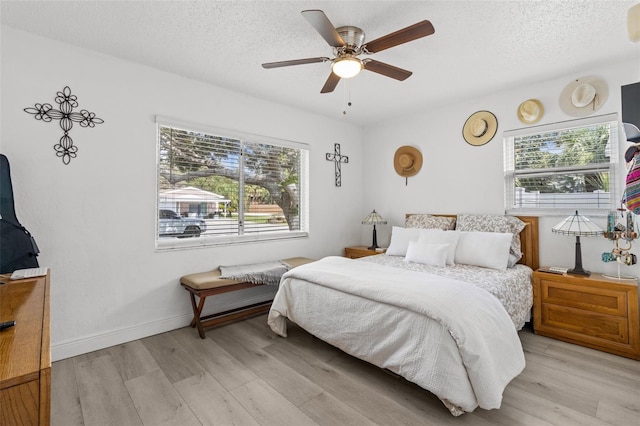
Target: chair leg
{"type": "Point", "coordinates": [197, 310]}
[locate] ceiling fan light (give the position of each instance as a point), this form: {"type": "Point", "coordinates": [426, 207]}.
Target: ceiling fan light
{"type": "Point", "coordinates": [347, 67]}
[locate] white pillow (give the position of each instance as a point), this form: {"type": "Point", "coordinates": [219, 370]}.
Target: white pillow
{"type": "Point", "coordinates": [438, 236]}
{"type": "Point", "coordinates": [486, 249]}
{"type": "Point", "coordinates": [427, 253]}
{"type": "Point", "coordinates": [400, 238]}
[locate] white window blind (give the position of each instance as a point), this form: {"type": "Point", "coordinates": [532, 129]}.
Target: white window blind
{"type": "Point", "coordinates": [562, 167]}
{"type": "Point", "coordinates": [234, 187]}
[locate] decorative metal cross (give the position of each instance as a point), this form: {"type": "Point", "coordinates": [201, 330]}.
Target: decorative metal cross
{"type": "Point", "coordinates": [338, 159]}
{"type": "Point", "coordinates": [67, 117]}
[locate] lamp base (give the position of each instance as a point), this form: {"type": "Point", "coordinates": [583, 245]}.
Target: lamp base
{"type": "Point", "coordinates": [579, 272]}
{"type": "Point", "coordinates": [577, 269]}
{"type": "Point", "coordinates": [374, 243]}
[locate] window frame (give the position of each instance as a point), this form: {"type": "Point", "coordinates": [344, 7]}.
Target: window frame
{"type": "Point", "coordinates": [166, 244]}
{"type": "Point", "coordinates": [510, 174]}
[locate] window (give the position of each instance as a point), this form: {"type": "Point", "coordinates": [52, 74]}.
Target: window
{"type": "Point", "coordinates": [217, 186]}
{"type": "Point", "coordinates": [562, 167]}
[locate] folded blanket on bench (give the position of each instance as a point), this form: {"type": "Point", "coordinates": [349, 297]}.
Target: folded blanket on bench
{"type": "Point", "coordinates": [257, 273]}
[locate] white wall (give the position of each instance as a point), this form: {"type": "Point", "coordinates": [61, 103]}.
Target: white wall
{"type": "Point", "coordinates": [459, 178]}
{"type": "Point", "coordinates": [94, 218]}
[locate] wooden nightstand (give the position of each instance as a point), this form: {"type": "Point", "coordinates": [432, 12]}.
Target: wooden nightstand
{"type": "Point", "coordinates": [595, 311]}
{"type": "Point", "coordinates": [359, 251]}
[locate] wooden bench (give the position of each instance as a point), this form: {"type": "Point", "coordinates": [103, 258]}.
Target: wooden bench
{"type": "Point", "coordinates": [205, 284]}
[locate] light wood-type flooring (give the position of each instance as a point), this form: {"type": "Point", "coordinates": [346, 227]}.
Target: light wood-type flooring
{"type": "Point", "coordinates": [243, 374]}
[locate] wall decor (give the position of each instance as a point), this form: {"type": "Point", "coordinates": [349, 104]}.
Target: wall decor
{"type": "Point", "coordinates": [67, 102]}
{"type": "Point", "coordinates": [530, 111]}
{"type": "Point", "coordinates": [407, 161]}
{"type": "Point", "coordinates": [338, 159]}
{"type": "Point", "coordinates": [584, 96]}
{"type": "Point", "coordinates": [480, 128]}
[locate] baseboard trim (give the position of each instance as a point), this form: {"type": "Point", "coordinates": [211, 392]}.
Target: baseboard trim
{"type": "Point", "coordinates": [90, 343]}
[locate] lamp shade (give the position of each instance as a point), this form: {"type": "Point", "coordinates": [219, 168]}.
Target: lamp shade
{"type": "Point", "coordinates": [577, 225]}
{"type": "Point", "coordinates": [374, 219]}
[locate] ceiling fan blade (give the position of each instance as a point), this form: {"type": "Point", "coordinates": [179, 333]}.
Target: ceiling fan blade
{"type": "Point", "coordinates": [324, 27]}
{"type": "Point", "coordinates": [294, 62]}
{"type": "Point", "coordinates": [405, 35]}
{"type": "Point", "coordinates": [387, 70]}
{"type": "Point", "coordinates": [330, 84]}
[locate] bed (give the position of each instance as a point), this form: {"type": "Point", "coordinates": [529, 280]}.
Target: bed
{"type": "Point", "coordinates": [451, 329]}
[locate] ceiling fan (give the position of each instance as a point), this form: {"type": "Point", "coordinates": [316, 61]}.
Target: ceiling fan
{"type": "Point", "coordinates": [348, 43]}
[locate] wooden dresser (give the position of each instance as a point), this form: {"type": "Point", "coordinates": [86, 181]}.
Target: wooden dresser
{"type": "Point", "coordinates": [25, 352]}
{"type": "Point", "coordinates": [594, 311]}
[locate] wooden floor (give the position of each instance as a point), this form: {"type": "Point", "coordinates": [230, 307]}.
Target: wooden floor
{"type": "Point", "coordinates": [243, 374]}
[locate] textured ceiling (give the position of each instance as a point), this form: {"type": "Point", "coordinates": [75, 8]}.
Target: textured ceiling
{"type": "Point", "coordinates": [478, 47]}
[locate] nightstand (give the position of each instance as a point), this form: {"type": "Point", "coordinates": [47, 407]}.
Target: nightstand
{"type": "Point", "coordinates": [594, 311]}
{"type": "Point", "coordinates": [359, 251]}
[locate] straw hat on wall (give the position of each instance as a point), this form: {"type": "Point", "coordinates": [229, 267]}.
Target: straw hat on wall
{"type": "Point", "coordinates": [480, 128]}
{"type": "Point", "coordinates": [584, 96]}
{"type": "Point", "coordinates": [530, 111]}
{"type": "Point", "coordinates": [407, 161]}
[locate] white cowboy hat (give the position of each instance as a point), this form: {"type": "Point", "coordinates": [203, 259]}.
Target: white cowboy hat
{"type": "Point", "coordinates": [584, 96]}
{"type": "Point", "coordinates": [530, 111]}
{"type": "Point", "coordinates": [480, 128]}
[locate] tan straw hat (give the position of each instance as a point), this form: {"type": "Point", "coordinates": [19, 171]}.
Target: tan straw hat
{"type": "Point", "coordinates": [584, 96]}
{"type": "Point", "coordinates": [530, 111]}
{"type": "Point", "coordinates": [480, 128]}
{"type": "Point", "coordinates": [407, 161]}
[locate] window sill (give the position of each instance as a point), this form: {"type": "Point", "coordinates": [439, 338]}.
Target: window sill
{"type": "Point", "coordinates": [172, 244]}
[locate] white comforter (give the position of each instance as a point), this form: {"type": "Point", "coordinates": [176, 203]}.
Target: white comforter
{"type": "Point", "coordinates": [449, 337]}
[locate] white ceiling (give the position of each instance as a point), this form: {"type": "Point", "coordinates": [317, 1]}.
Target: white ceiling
{"type": "Point", "coordinates": [478, 47]}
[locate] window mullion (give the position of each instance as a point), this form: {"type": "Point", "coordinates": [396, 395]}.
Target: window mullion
{"type": "Point", "coordinates": [241, 206]}
{"type": "Point", "coordinates": [602, 167]}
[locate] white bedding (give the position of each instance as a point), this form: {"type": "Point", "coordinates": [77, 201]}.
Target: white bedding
{"type": "Point", "coordinates": [512, 287]}
{"type": "Point", "coordinates": [449, 337]}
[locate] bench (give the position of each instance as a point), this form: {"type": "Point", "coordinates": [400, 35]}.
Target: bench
{"type": "Point", "coordinates": [205, 284]}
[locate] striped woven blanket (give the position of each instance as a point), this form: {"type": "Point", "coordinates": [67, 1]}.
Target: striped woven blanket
{"type": "Point", "coordinates": [632, 188]}
{"type": "Point", "coordinates": [257, 273]}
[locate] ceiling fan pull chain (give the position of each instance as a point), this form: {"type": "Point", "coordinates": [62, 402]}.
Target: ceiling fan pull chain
{"type": "Point", "coordinates": [346, 96]}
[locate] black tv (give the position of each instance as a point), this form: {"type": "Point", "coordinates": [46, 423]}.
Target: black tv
{"type": "Point", "coordinates": [631, 111]}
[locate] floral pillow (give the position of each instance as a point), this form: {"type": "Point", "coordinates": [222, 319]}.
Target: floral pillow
{"type": "Point", "coordinates": [494, 223]}
{"type": "Point", "coordinates": [427, 221]}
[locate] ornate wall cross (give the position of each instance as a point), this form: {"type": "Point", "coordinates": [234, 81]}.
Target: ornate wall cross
{"type": "Point", "coordinates": [67, 117]}
{"type": "Point", "coordinates": [338, 159]}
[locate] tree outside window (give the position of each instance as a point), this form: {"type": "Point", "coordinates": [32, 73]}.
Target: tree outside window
{"type": "Point", "coordinates": [248, 189]}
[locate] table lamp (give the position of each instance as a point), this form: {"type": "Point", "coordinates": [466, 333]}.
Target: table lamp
{"type": "Point", "coordinates": [374, 219]}
{"type": "Point", "coordinates": [579, 226]}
